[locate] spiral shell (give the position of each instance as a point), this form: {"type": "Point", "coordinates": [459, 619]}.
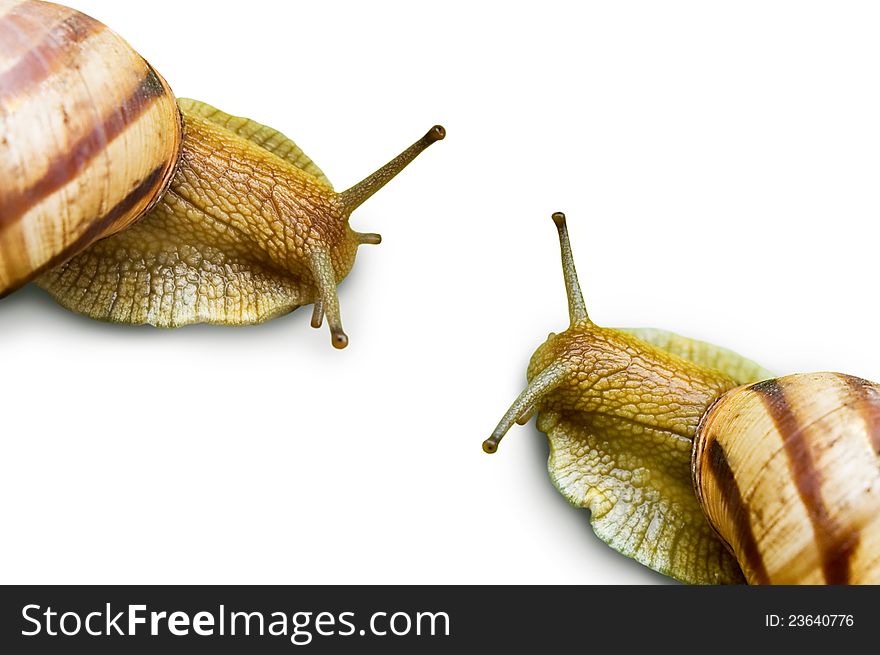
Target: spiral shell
{"type": "Point", "coordinates": [787, 471]}
{"type": "Point", "coordinates": [89, 136]}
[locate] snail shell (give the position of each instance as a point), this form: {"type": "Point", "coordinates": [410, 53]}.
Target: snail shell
{"type": "Point", "coordinates": [90, 135]}
{"type": "Point", "coordinates": [787, 472]}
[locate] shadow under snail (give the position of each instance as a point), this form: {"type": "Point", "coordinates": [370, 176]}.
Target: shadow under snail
{"type": "Point", "coordinates": [130, 206]}
{"type": "Point", "coordinates": [701, 464]}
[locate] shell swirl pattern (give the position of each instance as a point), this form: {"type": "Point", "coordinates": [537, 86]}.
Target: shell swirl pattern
{"type": "Point", "coordinates": [90, 136]}
{"type": "Point", "coordinates": [798, 501]}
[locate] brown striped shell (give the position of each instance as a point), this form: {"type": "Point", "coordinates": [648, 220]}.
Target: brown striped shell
{"type": "Point", "coordinates": [788, 473]}
{"type": "Point", "coordinates": [89, 136]}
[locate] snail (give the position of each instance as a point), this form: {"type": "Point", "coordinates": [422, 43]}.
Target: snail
{"type": "Point", "coordinates": [701, 464]}
{"type": "Point", "coordinates": [131, 206]}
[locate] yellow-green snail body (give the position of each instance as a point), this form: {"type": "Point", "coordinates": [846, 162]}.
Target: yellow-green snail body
{"type": "Point", "coordinates": [130, 206]}
{"type": "Point", "coordinates": [701, 464]}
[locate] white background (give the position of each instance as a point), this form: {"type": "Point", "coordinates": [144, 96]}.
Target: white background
{"type": "Point", "coordinates": [720, 167]}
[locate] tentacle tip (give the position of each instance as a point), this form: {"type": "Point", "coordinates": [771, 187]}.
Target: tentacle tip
{"type": "Point", "coordinates": [371, 239]}
{"type": "Point", "coordinates": [340, 340]}
{"type": "Point", "coordinates": [436, 133]}
{"type": "Point", "coordinates": [317, 314]}
{"type": "Point", "coordinates": [490, 445]}
{"type": "Point", "coordinates": [559, 219]}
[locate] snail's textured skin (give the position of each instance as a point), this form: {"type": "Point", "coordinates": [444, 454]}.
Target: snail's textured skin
{"type": "Point", "coordinates": [620, 425]}
{"type": "Point", "coordinates": [798, 501]}
{"type": "Point", "coordinates": [75, 102]}
{"type": "Point", "coordinates": [620, 409]}
{"type": "Point", "coordinates": [249, 228]}
{"type": "Point", "coordinates": [231, 242]}
{"type": "Point", "coordinates": [244, 226]}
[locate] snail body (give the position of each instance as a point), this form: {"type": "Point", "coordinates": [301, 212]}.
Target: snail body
{"type": "Point", "coordinates": [128, 205]}
{"type": "Point", "coordinates": [701, 464]}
